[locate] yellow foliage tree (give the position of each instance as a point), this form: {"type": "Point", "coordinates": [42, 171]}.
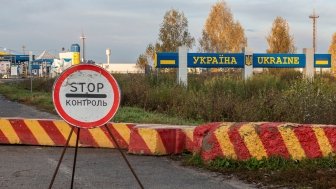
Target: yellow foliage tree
{"type": "Point", "coordinates": [173, 34]}
{"type": "Point", "coordinates": [145, 58]}
{"type": "Point", "coordinates": [279, 40]}
{"type": "Point", "coordinates": [221, 33]}
{"type": "Point", "coordinates": [332, 51]}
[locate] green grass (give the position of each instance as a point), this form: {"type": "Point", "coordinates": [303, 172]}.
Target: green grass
{"type": "Point", "coordinates": [272, 163]}
{"type": "Point", "coordinates": [277, 172]}
{"type": "Point", "coordinates": [43, 101]}
{"type": "Point", "coordinates": [223, 97]}
{"type": "Point", "coordinates": [216, 98]}
{"type": "Point", "coordinates": [138, 115]}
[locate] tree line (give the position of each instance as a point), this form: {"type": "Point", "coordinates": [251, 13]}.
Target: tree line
{"type": "Point", "coordinates": [221, 33]}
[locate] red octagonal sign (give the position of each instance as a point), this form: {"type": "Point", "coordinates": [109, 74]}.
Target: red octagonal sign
{"type": "Point", "coordinates": [86, 96]}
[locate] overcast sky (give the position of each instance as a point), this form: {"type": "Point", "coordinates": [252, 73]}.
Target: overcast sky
{"type": "Point", "coordinates": [127, 26]}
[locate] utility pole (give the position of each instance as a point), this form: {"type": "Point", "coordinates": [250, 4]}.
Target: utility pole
{"type": "Point", "coordinates": [82, 37]}
{"type": "Point", "coordinates": [23, 49]}
{"type": "Point", "coordinates": [108, 53]}
{"type": "Point", "coordinates": [314, 17]}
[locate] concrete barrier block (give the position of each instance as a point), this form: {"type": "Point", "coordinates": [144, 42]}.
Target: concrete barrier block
{"type": "Point", "coordinates": [265, 139]}
{"type": "Point", "coordinates": [159, 139]}
{"type": "Point", "coordinates": [55, 132]}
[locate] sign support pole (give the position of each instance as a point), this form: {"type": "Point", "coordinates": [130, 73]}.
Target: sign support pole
{"type": "Point", "coordinates": [182, 74]}
{"type": "Point", "coordinates": [309, 70]}
{"type": "Point", "coordinates": [61, 158]}
{"type": "Point", "coordinates": [99, 92]}
{"type": "Point", "coordinates": [75, 159]}
{"type": "Point", "coordinates": [123, 155]}
{"type": "Point", "coordinates": [248, 64]}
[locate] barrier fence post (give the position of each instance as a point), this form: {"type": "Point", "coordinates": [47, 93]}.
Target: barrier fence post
{"type": "Point", "coordinates": [248, 64]}
{"type": "Point", "coordinates": [182, 74]}
{"type": "Point", "coordinates": [309, 69]}
{"type": "Point", "coordinates": [30, 70]}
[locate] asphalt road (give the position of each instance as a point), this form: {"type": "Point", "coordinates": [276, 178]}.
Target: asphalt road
{"type": "Point", "coordinates": [14, 109]}
{"type": "Point", "coordinates": [33, 166]}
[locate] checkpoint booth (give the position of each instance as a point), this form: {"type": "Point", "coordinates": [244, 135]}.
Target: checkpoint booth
{"type": "Point", "coordinates": [4, 69]}
{"type": "Point", "coordinates": [13, 65]}
{"type": "Point", "coordinates": [41, 67]}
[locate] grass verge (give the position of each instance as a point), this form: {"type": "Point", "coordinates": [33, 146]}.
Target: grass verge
{"type": "Point", "coordinates": [43, 101]}
{"type": "Point", "coordinates": [274, 172]}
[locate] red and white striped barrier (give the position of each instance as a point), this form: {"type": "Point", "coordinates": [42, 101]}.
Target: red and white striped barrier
{"type": "Point", "coordinates": [55, 132]}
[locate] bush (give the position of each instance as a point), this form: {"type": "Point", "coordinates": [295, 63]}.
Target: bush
{"type": "Point", "coordinates": [284, 96]}
{"type": "Point", "coordinates": [38, 84]}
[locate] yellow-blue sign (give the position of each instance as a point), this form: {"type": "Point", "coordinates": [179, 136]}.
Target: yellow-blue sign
{"type": "Point", "coordinates": [279, 60]}
{"type": "Point", "coordinates": [215, 60]}
{"type": "Point", "coordinates": [166, 60]}
{"type": "Point", "coordinates": [322, 60]}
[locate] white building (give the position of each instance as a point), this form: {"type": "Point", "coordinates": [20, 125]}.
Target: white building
{"type": "Point", "coordinates": [121, 67]}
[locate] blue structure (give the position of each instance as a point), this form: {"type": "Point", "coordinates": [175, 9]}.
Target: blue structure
{"type": "Point", "coordinates": [322, 60]}
{"type": "Point", "coordinates": [238, 60]}
{"type": "Point", "coordinates": [166, 60]}
{"type": "Point", "coordinates": [45, 64]}
{"type": "Point", "coordinates": [261, 60]}
{"type": "Point", "coordinates": [15, 59]}
{"type": "Point", "coordinates": [75, 48]}
{"type": "Point", "coordinates": [216, 60]}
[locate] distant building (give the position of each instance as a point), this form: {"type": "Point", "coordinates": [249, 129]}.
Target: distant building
{"type": "Point", "coordinates": [66, 60]}
{"type": "Point", "coordinates": [121, 68]}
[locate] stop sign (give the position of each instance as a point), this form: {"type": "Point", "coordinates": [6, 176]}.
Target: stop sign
{"type": "Point", "coordinates": [86, 96]}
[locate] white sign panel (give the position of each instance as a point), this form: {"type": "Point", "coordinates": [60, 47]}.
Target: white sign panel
{"type": "Point", "coordinates": [86, 96]}
{"type": "Point", "coordinates": [14, 70]}
{"type": "Point", "coordinates": [4, 67]}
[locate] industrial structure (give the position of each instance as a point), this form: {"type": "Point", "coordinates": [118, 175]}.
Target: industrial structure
{"type": "Point", "coordinates": [43, 65]}
{"type": "Point", "coordinates": [49, 65]}
{"type": "Point", "coordinates": [314, 17]}
{"type": "Point", "coordinates": [82, 37]}
{"type": "Point", "coordinates": [121, 68]}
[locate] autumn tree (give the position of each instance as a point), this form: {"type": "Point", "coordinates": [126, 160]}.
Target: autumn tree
{"type": "Point", "coordinates": [146, 58]}
{"type": "Point", "coordinates": [279, 40]}
{"type": "Point", "coordinates": [332, 51]}
{"type": "Point", "coordinates": [221, 32]}
{"type": "Point", "coordinates": [173, 34]}
{"type": "Point", "coordinates": [142, 61]}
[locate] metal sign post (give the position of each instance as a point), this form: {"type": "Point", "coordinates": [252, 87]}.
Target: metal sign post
{"type": "Point", "coordinates": [79, 91]}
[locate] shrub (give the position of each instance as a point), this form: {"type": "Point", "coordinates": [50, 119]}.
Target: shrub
{"type": "Point", "coordinates": [284, 96]}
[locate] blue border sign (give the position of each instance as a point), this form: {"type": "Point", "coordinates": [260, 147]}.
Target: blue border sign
{"type": "Point", "coordinates": [166, 60]}
{"type": "Point", "coordinates": [216, 60]}
{"type": "Point", "coordinates": [279, 60]}
{"type": "Point", "coordinates": [322, 60]}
